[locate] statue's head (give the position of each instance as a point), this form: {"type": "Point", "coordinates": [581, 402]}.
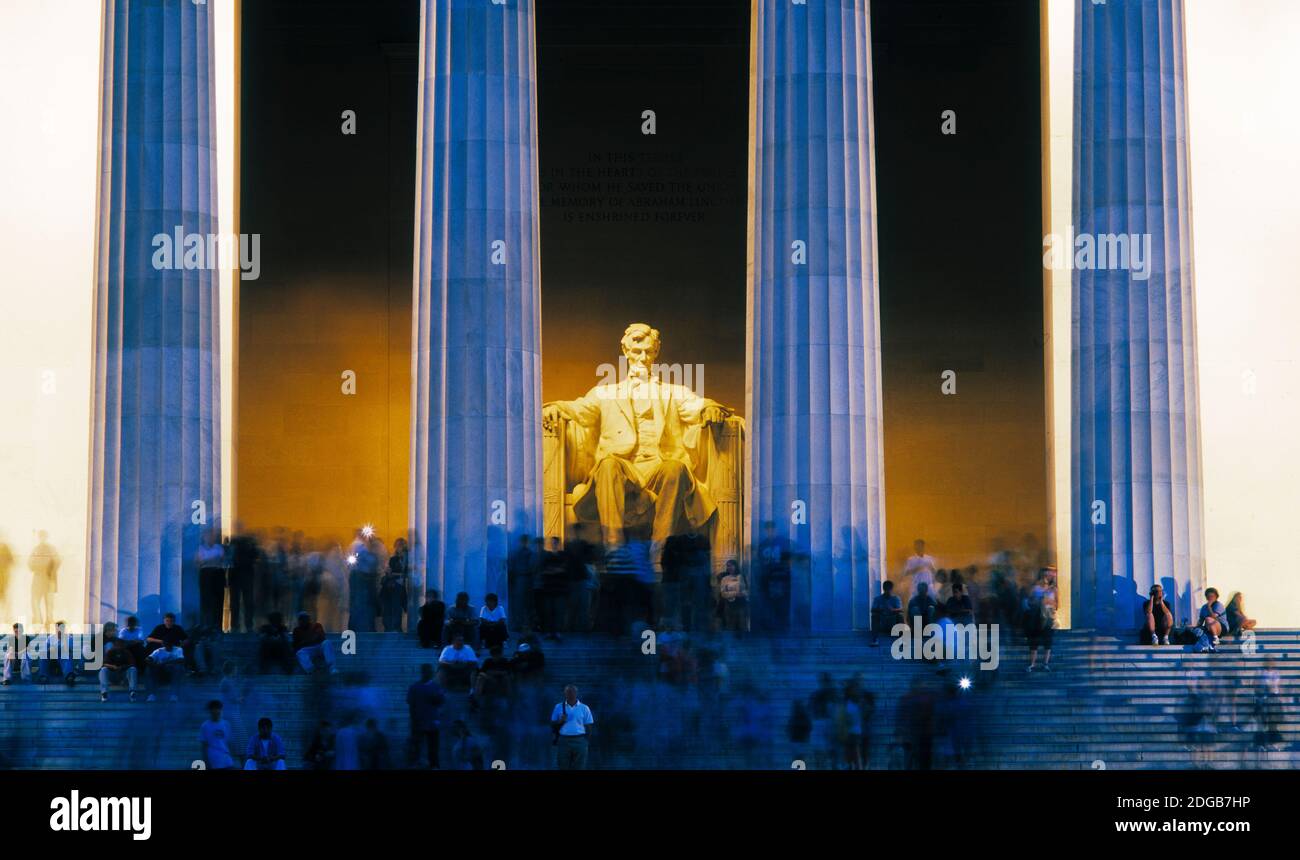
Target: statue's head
{"type": "Point", "coordinates": [641, 347]}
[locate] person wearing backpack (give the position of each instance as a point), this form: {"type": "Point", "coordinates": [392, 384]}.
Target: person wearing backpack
{"type": "Point", "coordinates": [571, 724]}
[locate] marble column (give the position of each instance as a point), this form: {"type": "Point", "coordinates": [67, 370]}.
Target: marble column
{"type": "Point", "coordinates": [1136, 442]}
{"type": "Point", "coordinates": [814, 399]}
{"type": "Point", "coordinates": [155, 481]}
{"type": "Point", "coordinates": [476, 364]}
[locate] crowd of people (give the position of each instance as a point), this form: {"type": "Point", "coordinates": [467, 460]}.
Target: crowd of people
{"type": "Point", "coordinates": [364, 587]}
{"type": "Point", "coordinates": [484, 698]}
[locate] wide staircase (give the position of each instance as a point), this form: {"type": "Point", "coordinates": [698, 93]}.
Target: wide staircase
{"type": "Point", "coordinates": [1106, 703]}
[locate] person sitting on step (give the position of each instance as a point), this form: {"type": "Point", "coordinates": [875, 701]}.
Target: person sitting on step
{"type": "Point", "coordinates": [492, 623]}
{"type": "Point", "coordinates": [1159, 617]}
{"type": "Point", "coordinates": [886, 612]}
{"type": "Point", "coordinates": [462, 620]}
{"type": "Point", "coordinates": [1238, 623]}
{"type": "Point", "coordinates": [309, 642]}
{"type": "Point", "coordinates": [457, 665]}
{"type": "Point", "coordinates": [118, 664]}
{"type": "Point", "coordinates": [1213, 617]}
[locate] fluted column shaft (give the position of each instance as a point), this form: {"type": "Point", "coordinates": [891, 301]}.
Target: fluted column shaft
{"type": "Point", "coordinates": [476, 372]}
{"type": "Point", "coordinates": [1136, 441]}
{"type": "Point", "coordinates": [155, 479]}
{"type": "Point", "coordinates": [814, 340]}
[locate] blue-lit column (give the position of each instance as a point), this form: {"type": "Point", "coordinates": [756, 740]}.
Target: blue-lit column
{"type": "Point", "coordinates": [1136, 449]}
{"type": "Point", "coordinates": [155, 480]}
{"type": "Point", "coordinates": [814, 336]}
{"type": "Point", "coordinates": [476, 365]}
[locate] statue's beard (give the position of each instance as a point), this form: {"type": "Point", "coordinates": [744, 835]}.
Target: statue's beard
{"type": "Point", "coordinates": [638, 370]}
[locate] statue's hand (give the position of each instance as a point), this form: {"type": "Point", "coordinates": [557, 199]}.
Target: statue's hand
{"type": "Point", "coordinates": [713, 414]}
{"type": "Point", "coordinates": [550, 416]}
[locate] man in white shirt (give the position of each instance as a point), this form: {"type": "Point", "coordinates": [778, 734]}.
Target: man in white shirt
{"type": "Point", "coordinates": [920, 567]}
{"type": "Point", "coordinates": [214, 737]}
{"type": "Point", "coordinates": [457, 664]}
{"type": "Point", "coordinates": [571, 721]}
{"type": "Point", "coordinates": [492, 622]}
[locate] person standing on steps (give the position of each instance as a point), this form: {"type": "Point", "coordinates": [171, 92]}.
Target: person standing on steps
{"type": "Point", "coordinates": [571, 725]}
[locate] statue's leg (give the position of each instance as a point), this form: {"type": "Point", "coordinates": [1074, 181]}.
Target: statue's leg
{"type": "Point", "coordinates": [671, 482]}
{"type": "Point", "coordinates": [610, 479]}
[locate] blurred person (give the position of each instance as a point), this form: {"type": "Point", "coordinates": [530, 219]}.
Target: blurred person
{"type": "Point", "coordinates": [462, 620]}
{"type": "Point", "coordinates": [922, 607]}
{"type": "Point", "coordinates": [309, 643]}
{"type": "Point", "coordinates": [940, 591]}
{"type": "Point", "coordinates": [201, 652]}
{"type": "Point", "coordinates": [333, 597]}
{"type": "Point", "coordinates": [528, 663]}
{"type": "Point", "coordinates": [243, 578]}
{"type": "Point", "coordinates": [347, 744]}
{"type": "Point", "coordinates": [165, 654]}
{"type": "Point", "coordinates": [1268, 708]}
{"type": "Point", "coordinates": [583, 584]}
{"type": "Point", "coordinates": [214, 740]}
{"type": "Point", "coordinates": [320, 752]}
{"type": "Point", "coordinates": [424, 701]}
{"type": "Point", "coordinates": [136, 640]}
{"type": "Point", "coordinates": [553, 589]}
{"type": "Point", "coordinates": [1198, 720]}
{"type": "Point", "coordinates": [44, 563]}
{"type": "Point", "coordinates": [467, 750]}
{"type": "Point", "coordinates": [919, 569]}
{"type": "Point", "coordinates": [232, 689]}
{"type": "Point", "coordinates": [733, 598]}
{"type": "Point", "coordinates": [373, 746]}
{"type": "Point", "coordinates": [1238, 622]}
{"type": "Point", "coordinates": [886, 612]}
{"type": "Point", "coordinates": [492, 623]}
{"type": "Point", "coordinates": [313, 580]}
{"type": "Point", "coordinates": [520, 566]}
{"type": "Point", "coordinates": [430, 626]}
{"type": "Point", "coordinates": [16, 658]}
{"type": "Point", "coordinates": [822, 706]}
{"type": "Point", "coordinates": [274, 645]}
{"type": "Point", "coordinates": [59, 656]}
{"type": "Point", "coordinates": [915, 722]}
{"type": "Point", "coordinates": [1159, 617]}
{"type": "Point", "coordinates": [959, 607]}
{"type": "Point", "coordinates": [1040, 621]}
{"type": "Point", "coordinates": [773, 555]}
{"type": "Point", "coordinates": [673, 562]}
{"type": "Point", "coordinates": [265, 749]}
{"type": "Point", "coordinates": [297, 571]}
{"type": "Point", "coordinates": [697, 585]}
{"type": "Point", "coordinates": [848, 726]}
{"type": "Point", "coordinates": [210, 559]}
{"type": "Point", "coordinates": [363, 582]}
{"type": "Point", "coordinates": [1213, 617]}
{"type": "Point", "coordinates": [493, 689]}
{"type": "Point", "coordinates": [571, 726]}
{"type": "Point", "coordinates": [118, 664]}
{"type": "Point", "coordinates": [457, 665]}
{"type": "Point", "coordinates": [392, 588]}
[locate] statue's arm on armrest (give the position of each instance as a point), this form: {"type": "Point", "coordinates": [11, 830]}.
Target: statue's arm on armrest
{"type": "Point", "coordinates": [585, 411]}
{"type": "Point", "coordinates": [702, 410]}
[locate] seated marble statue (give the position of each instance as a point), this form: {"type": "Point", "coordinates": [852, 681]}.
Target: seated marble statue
{"type": "Point", "coordinates": [641, 468]}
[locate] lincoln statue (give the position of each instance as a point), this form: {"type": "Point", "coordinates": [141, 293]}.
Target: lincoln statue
{"type": "Point", "coordinates": [641, 468]}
